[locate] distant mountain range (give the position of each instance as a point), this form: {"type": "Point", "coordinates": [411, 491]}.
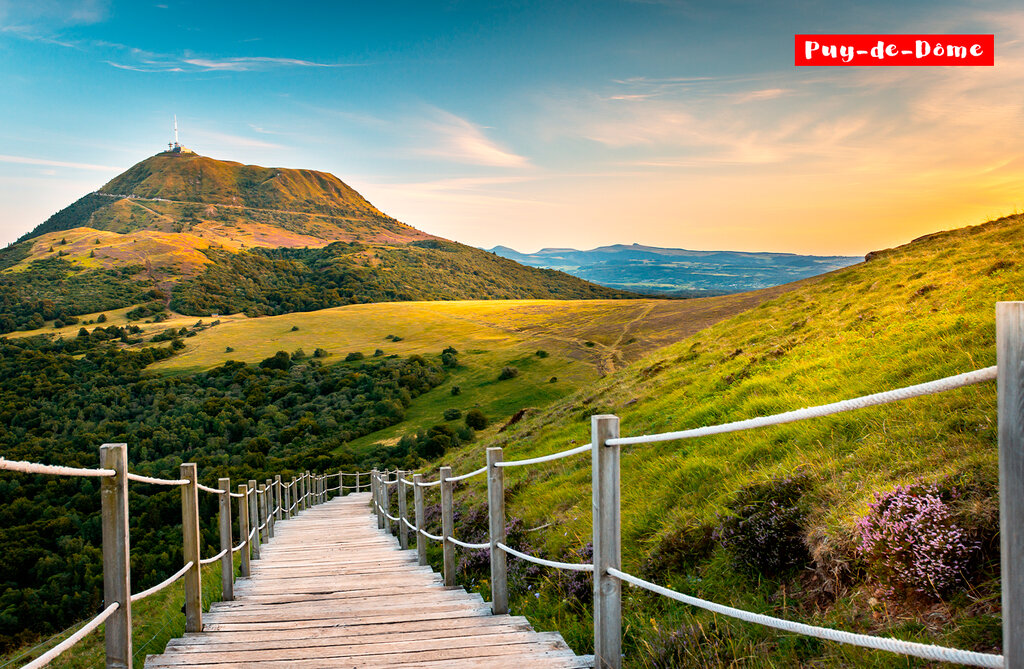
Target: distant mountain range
{"type": "Point", "coordinates": [679, 272]}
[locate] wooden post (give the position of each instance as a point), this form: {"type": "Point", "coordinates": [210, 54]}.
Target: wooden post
{"type": "Point", "coordinates": [269, 500]}
{"type": "Point", "coordinates": [417, 501]}
{"type": "Point", "coordinates": [375, 496]}
{"type": "Point", "coordinates": [305, 491]}
{"type": "Point", "coordinates": [261, 512]}
{"type": "Point", "coordinates": [243, 526]}
{"type": "Point", "coordinates": [496, 523]}
{"type": "Point", "coordinates": [341, 483]}
{"type": "Point", "coordinates": [117, 581]}
{"type": "Point", "coordinates": [403, 504]}
{"type": "Point", "coordinates": [227, 562]}
{"type": "Point", "coordinates": [287, 492]}
{"type": "Point", "coordinates": [1010, 361]}
{"type": "Point", "coordinates": [254, 519]}
{"type": "Point", "coordinates": [447, 525]}
{"type": "Point", "coordinates": [302, 492]}
{"type": "Point", "coordinates": [386, 501]}
{"type": "Point", "coordinates": [358, 489]}
{"type": "Point", "coordinates": [323, 490]}
{"type": "Point", "coordinates": [607, 543]}
{"type": "Point", "coordinates": [190, 536]}
{"type": "Point", "coordinates": [277, 496]}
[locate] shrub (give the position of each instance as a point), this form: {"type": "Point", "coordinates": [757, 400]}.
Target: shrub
{"type": "Point", "coordinates": [553, 379]}
{"type": "Point", "coordinates": [456, 390]}
{"type": "Point", "coordinates": [378, 353]}
{"type": "Point", "coordinates": [508, 372]}
{"type": "Point", "coordinates": [452, 414]}
{"type": "Point", "coordinates": [320, 353]}
{"type": "Point", "coordinates": [228, 349]}
{"type": "Point", "coordinates": [679, 549]}
{"type": "Point", "coordinates": [476, 419]}
{"type": "Point", "coordinates": [542, 353]}
{"type": "Point", "coordinates": [448, 357]}
{"type": "Point", "coordinates": [577, 587]}
{"type": "Point", "coordinates": [298, 354]}
{"type": "Point", "coordinates": [295, 328]}
{"type": "Point", "coordinates": [911, 544]}
{"type": "Point", "coordinates": [280, 360]}
{"type": "Point", "coordinates": [102, 318]}
{"type": "Point", "coordinates": [764, 534]}
{"type": "Point", "coordinates": [353, 356]}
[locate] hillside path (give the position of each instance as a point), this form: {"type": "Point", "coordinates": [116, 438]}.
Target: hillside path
{"type": "Point", "coordinates": [331, 590]}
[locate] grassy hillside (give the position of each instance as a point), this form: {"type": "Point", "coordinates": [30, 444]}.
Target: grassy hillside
{"type": "Point", "coordinates": [909, 315]}
{"type": "Point", "coordinates": [580, 339]}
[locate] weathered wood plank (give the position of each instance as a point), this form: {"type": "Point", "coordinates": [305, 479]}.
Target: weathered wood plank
{"type": "Point", "coordinates": [331, 590]}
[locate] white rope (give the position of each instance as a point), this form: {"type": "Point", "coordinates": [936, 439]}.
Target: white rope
{"type": "Point", "coordinates": [51, 654]}
{"type": "Point", "coordinates": [146, 479]}
{"type": "Point", "coordinates": [335, 488]}
{"type": "Point", "coordinates": [431, 536]}
{"type": "Point", "coordinates": [926, 651]}
{"type": "Point", "coordinates": [465, 545]}
{"type": "Point", "coordinates": [391, 517]}
{"type": "Point", "coordinates": [429, 484]}
{"type": "Point", "coordinates": [215, 491]}
{"type": "Point", "coordinates": [571, 566]}
{"type": "Point", "coordinates": [407, 482]}
{"type": "Point", "coordinates": [544, 458]}
{"type": "Point", "coordinates": [929, 388]}
{"type": "Point", "coordinates": [292, 507]}
{"type": "Point", "coordinates": [163, 584]}
{"type": "Point", "coordinates": [240, 546]}
{"type": "Point", "coordinates": [409, 525]}
{"type": "Point", "coordinates": [236, 494]}
{"type": "Point", "coordinates": [36, 468]}
{"type": "Point", "coordinates": [211, 560]}
{"type": "Point", "coordinates": [262, 526]}
{"type": "Point", "coordinates": [274, 512]}
{"type": "Point", "coordinates": [482, 470]}
{"type": "Point", "coordinates": [252, 532]}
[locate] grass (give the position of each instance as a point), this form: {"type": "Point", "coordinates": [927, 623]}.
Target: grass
{"type": "Point", "coordinates": [913, 314]}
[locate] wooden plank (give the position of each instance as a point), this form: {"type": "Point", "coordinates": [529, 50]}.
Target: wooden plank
{"type": "Point", "coordinates": [331, 590]}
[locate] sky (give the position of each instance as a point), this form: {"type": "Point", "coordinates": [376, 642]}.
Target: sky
{"type": "Point", "coordinates": [531, 124]}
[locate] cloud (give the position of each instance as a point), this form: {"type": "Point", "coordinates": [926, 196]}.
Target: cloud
{"type": "Point", "coordinates": [57, 163]}
{"type": "Point", "coordinates": [248, 64]}
{"type": "Point", "coordinates": [458, 140]}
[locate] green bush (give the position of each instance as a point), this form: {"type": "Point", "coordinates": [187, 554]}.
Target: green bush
{"type": "Point", "coordinates": [476, 419]}
{"type": "Point", "coordinates": [452, 414]}
{"type": "Point", "coordinates": [508, 372]}
{"type": "Point", "coordinates": [353, 356]}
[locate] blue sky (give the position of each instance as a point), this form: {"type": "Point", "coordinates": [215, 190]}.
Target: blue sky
{"type": "Point", "coordinates": [530, 124]}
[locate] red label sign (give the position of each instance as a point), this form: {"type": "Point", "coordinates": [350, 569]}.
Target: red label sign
{"type": "Point", "coordinates": [850, 50]}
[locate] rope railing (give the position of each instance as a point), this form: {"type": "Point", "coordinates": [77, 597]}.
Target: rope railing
{"type": "Point", "coordinates": [924, 651]}
{"type": "Point", "coordinates": [215, 491]}
{"type": "Point", "coordinates": [54, 470]}
{"type": "Point", "coordinates": [53, 653]}
{"type": "Point", "coordinates": [482, 470]}
{"type": "Point", "coordinates": [607, 553]}
{"type": "Point", "coordinates": [163, 584]}
{"type": "Point", "coordinates": [887, 397]}
{"type": "Point", "coordinates": [545, 458]}
{"type": "Point", "coordinates": [139, 478]}
{"type": "Point", "coordinates": [570, 566]}
{"type": "Point", "coordinates": [211, 560]}
{"type": "Point", "coordinates": [468, 545]}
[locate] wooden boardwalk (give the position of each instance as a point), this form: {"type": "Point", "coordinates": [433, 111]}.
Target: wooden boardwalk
{"type": "Point", "coordinates": [331, 590]}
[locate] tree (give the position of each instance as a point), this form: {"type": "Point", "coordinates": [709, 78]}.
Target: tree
{"type": "Point", "coordinates": [476, 419]}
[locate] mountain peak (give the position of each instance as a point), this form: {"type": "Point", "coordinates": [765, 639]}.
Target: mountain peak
{"type": "Point", "coordinates": [231, 204]}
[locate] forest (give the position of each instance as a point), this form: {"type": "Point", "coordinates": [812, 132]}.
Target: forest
{"type": "Point", "coordinates": [60, 400]}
